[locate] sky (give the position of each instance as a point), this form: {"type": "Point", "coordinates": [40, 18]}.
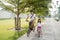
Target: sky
{"type": "Point", "coordinates": [0, 8]}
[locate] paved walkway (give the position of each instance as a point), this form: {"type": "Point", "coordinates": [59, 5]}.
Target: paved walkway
{"type": "Point", "coordinates": [50, 31]}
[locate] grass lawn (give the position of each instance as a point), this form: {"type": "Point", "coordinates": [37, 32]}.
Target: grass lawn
{"type": "Point", "coordinates": [7, 31]}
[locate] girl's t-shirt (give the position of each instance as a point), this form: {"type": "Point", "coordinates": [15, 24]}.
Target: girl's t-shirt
{"type": "Point", "coordinates": [38, 24]}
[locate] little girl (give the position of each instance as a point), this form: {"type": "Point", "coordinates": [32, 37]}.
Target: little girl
{"type": "Point", "coordinates": [39, 27]}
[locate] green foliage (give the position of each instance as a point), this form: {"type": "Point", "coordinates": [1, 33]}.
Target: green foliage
{"type": "Point", "coordinates": [14, 5]}
{"type": "Point", "coordinates": [38, 6]}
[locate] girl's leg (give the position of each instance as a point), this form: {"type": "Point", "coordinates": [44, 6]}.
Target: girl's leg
{"type": "Point", "coordinates": [38, 33]}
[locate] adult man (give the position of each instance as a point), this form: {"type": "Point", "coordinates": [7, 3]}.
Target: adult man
{"type": "Point", "coordinates": [32, 17]}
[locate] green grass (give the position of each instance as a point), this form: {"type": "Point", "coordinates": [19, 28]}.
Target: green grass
{"type": "Point", "coordinates": [7, 31]}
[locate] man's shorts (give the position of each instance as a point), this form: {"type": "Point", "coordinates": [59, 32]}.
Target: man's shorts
{"type": "Point", "coordinates": [30, 25]}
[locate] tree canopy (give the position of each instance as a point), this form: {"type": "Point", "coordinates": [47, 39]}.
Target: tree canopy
{"type": "Point", "coordinates": [38, 6]}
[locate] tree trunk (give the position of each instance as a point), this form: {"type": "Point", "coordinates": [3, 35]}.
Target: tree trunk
{"type": "Point", "coordinates": [17, 23]}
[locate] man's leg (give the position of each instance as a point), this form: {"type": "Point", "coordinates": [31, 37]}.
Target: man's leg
{"type": "Point", "coordinates": [29, 30]}
{"type": "Point", "coordinates": [33, 26]}
{"type": "Point", "coordinates": [28, 33]}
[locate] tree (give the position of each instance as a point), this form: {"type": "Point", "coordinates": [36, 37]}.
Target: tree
{"type": "Point", "coordinates": [38, 6]}
{"type": "Point", "coordinates": [15, 6]}
{"type": "Point", "coordinates": [19, 6]}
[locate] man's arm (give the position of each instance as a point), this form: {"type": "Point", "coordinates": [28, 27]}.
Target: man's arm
{"type": "Point", "coordinates": [27, 17]}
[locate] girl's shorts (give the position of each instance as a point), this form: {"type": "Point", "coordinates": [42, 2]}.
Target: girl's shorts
{"type": "Point", "coordinates": [39, 28]}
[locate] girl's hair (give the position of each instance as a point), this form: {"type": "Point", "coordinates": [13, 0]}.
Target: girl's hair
{"type": "Point", "coordinates": [39, 20]}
